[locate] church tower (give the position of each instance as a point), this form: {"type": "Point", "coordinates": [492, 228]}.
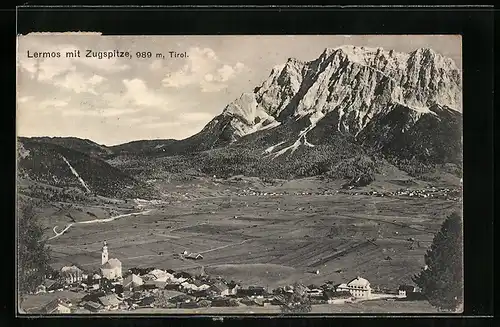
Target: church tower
{"type": "Point", "coordinates": [104, 256]}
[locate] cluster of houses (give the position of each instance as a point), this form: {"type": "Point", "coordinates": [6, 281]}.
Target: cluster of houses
{"type": "Point", "coordinates": [428, 192]}
{"type": "Point", "coordinates": [251, 192]}
{"type": "Point", "coordinates": [111, 289]}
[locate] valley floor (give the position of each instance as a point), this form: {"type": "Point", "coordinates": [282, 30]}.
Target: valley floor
{"type": "Point", "coordinates": [268, 238]}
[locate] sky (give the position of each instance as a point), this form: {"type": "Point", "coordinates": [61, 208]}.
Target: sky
{"type": "Point", "coordinates": [118, 100]}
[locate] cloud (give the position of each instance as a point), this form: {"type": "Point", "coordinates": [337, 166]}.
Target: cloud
{"type": "Point", "coordinates": [45, 70]}
{"type": "Point", "coordinates": [161, 124]}
{"type": "Point", "coordinates": [203, 69]}
{"type": "Point", "coordinates": [104, 112]}
{"type": "Point", "coordinates": [78, 83]}
{"type": "Point", "coordinates": [55, 70]}
{"type": "Point", "coordinates": [156, 65]}
{"type": "Point", "coordinates": [212, 87]}
{"type": "Point", "coordinates": [138, 93]}
{"type": "Point", "coordinates": [227, 72]}
{"type": "Point", "coordinates": [53, 103]}
{"type": "Point", "coordinates": [25, 99]}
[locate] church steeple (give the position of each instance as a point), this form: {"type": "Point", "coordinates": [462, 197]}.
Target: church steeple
{"type": "Point", "coordinates": [104, 255]}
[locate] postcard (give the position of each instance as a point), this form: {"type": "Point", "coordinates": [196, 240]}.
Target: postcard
{"type": "Point", "coordinates": [248, 174]}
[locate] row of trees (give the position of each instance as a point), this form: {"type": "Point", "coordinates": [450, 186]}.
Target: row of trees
{"type": "Point", "coordinates": [33, 254]}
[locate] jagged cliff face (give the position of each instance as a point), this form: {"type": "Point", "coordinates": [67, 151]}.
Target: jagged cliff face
{"type": "Point", "coordinates": [351, 88]}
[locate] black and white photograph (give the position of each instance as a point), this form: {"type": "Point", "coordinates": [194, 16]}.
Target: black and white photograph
{"type": "Point", "coordinates": [239, 174]}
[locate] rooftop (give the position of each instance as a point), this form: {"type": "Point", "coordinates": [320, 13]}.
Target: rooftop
{"type": "Point", "coordinates": [358, 282]}
{"type": "Point", "coordinates": [112, 263]}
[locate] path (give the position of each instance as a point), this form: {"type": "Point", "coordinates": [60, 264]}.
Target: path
{"type": "Point", "coordinates": [95, 221]}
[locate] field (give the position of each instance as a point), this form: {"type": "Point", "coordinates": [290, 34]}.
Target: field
{"type": "Point", "coordinates": [269, 240]}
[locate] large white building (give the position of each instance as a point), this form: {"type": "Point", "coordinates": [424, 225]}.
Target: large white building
{"type": "Point", "coordinates": [110, 268]}
{"type": "Point", "coordinates": [358, 287]}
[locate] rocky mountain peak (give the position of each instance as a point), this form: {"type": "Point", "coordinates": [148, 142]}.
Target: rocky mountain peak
{"type": "Point", "coordinates": [355, 84]}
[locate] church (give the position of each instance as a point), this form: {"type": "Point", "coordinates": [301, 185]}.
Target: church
{"type": "Point", "coordinates": [110, 268]}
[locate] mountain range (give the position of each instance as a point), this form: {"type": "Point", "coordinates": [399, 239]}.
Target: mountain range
{"type": "Point", "coordinates": [343, 115]}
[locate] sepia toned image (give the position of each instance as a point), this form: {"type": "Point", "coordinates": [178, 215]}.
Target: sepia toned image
{"type": "Point", "coordinates": [194, 175]}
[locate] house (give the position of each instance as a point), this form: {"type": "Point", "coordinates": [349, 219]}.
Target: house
{"type": "Point", "coordinates": [71, 274]}
{"type": "Point", "coordinates": [152, 284]}
{"type": "Point", "coordinates": [57, 306]}
{"type": "Point", "coordinates": [110, 302]}
{"type": "Point", "coordinates": [403, 290]}
{"type": "Point", "coordinates": [251, 291]}
{"type": "Point", "coordinates": [201, 294]}
{"type": "Point", "coordinates": [132, 281]}
{"type": "Point", "coordinates": [193, 256]}
{"type": "Point", "coordinates": [358, 287]}
{"type": "Point", "coordinates": [233, 287]}
{"type": "Point", "coordinates": [50, 286]}
{"type": "Point", "coordinates": [315, 292]}
{"type": "Point", "coordinates": [93, 297]}
{"type": "Point", "coordinates": [40, 289]}
{"type": "Point", "coordinates": [220, 288]}
{"type": "Point", "coordinates": [141, 271]}
{"type": "Point", "coordinates": [182, 274]}
{"type": "Point", "coordinates": [201, 285]}
{"type": "Point", "coordinates": [146, 302]}
{"type": "Point", "coordinates": [177, 280]}
{"type": "Point", "coordinates": [173, 287]}
{"type": "Point", "coordinates": [331, 296]}
{"type": "Point", "coordinates": [92, 306]}
{"type": "Point", "coordinates": [159, 275]}
{"type": "Point", "coordinates": [195, 286]}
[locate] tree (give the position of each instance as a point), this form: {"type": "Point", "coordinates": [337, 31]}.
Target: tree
{"type": "Point", "coordinates": [33, 254]}
{"type": "Point", "coordinates": [296, 302]}
{"type": "Point", "coordinates": [441, 280]}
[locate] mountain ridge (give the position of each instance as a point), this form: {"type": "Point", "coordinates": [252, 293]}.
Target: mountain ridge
{"type": "Point", "coordinates": [311, 117]}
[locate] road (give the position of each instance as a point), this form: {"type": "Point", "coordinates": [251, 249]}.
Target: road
{"type": "Point", "coordinates": [94, 221]}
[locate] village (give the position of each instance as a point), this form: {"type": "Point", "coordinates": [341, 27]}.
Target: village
{"type": "Point", "coordinates": [427, 192]}
{"type": "Point", "coordinates": [111, 289]}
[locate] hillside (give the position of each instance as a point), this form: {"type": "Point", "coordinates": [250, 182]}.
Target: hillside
{"type": "Point", "coordinates": [63, 167]}
{"type": "Point", "coordinates": [82, 145]}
